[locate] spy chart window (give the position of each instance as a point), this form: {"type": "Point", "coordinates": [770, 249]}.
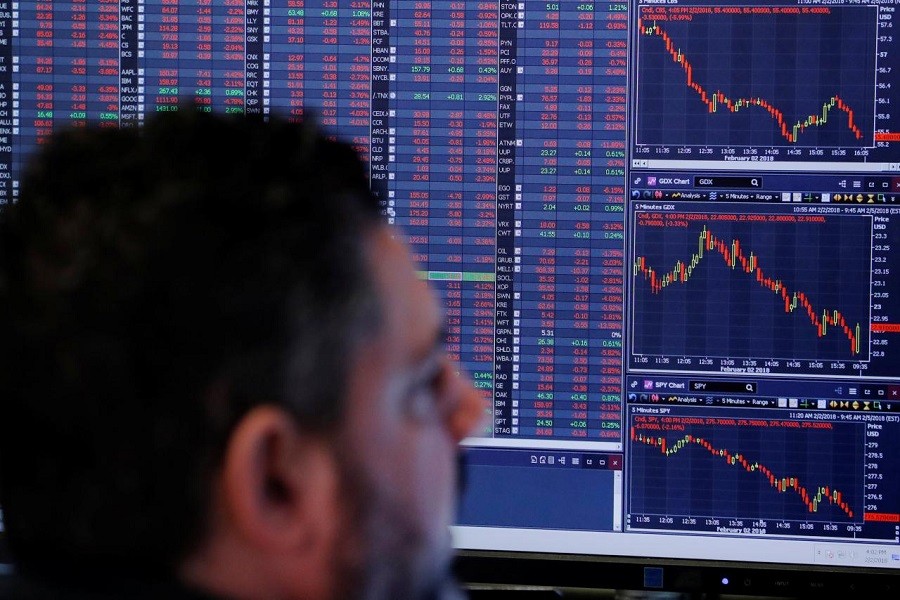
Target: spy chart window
{"type": "Point", "coordinates": [666, 234]}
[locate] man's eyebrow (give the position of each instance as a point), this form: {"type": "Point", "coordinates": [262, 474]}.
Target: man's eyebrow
{"type": "Point", "coordinates": [441, 335]}
{"type": "Point", "coordinates": [427, 352]}
{"type": "Point", "coordinates": [438, 346]}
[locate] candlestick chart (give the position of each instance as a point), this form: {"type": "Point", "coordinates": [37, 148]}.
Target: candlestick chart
{"type": "Point", "coordinates": [747, 468]}
{"type": "Point", "coordinates": [761, 286]}
{"type": "Point", "coordinates": [756, 76]}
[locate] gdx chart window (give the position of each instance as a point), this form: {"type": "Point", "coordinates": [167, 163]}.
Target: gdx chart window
{"type": "Point", "coordinates": [665, 234]}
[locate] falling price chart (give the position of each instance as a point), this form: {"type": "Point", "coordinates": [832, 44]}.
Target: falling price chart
{"type": "Point", "coordinates": [756, 76]}
{"type": "Point", "coordinates": [746, 471]}
{"type": "Point", "coordinates": [770, 288]}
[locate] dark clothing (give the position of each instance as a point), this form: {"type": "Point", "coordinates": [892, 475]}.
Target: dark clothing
{"type": "Point", "coordinates": [20, 588]}
{"type": "Point", "coordinates": [13, 587]}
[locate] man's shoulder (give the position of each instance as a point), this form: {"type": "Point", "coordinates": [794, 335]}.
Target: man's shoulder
{"type": "Point", "coordinates": [14, 587]}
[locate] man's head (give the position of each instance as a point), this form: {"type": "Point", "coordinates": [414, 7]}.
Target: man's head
{"type": "Point", "coordinates": [220, 366]}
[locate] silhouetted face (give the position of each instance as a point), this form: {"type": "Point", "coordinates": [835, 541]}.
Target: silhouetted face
{"type": "Point", "coordinates": [407, 411]}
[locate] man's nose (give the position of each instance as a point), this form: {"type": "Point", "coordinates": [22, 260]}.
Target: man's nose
{"type": "Point", "coordinates": [471, 409]}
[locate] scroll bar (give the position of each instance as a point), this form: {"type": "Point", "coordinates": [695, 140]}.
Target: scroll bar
{"type": "Point", "coordinates": [617, 500]}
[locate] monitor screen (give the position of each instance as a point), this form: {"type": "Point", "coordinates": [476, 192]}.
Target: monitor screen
{"type": "Point", "coordinates": [666, 233]}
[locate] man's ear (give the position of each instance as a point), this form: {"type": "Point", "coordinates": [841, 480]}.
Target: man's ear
{"type": "Point", "coordinates": [279, 484]}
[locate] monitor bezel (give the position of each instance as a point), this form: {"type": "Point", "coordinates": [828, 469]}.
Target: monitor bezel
{"type": "Point", "coordinates": [612, 572]}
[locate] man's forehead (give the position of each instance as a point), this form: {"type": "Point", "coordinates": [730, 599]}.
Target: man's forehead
{"type": "Point", "coordinates": [410, 309]}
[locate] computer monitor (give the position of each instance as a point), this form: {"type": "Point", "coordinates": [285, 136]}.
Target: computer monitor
{"type": "Point", "coordinates": [666, 232]}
